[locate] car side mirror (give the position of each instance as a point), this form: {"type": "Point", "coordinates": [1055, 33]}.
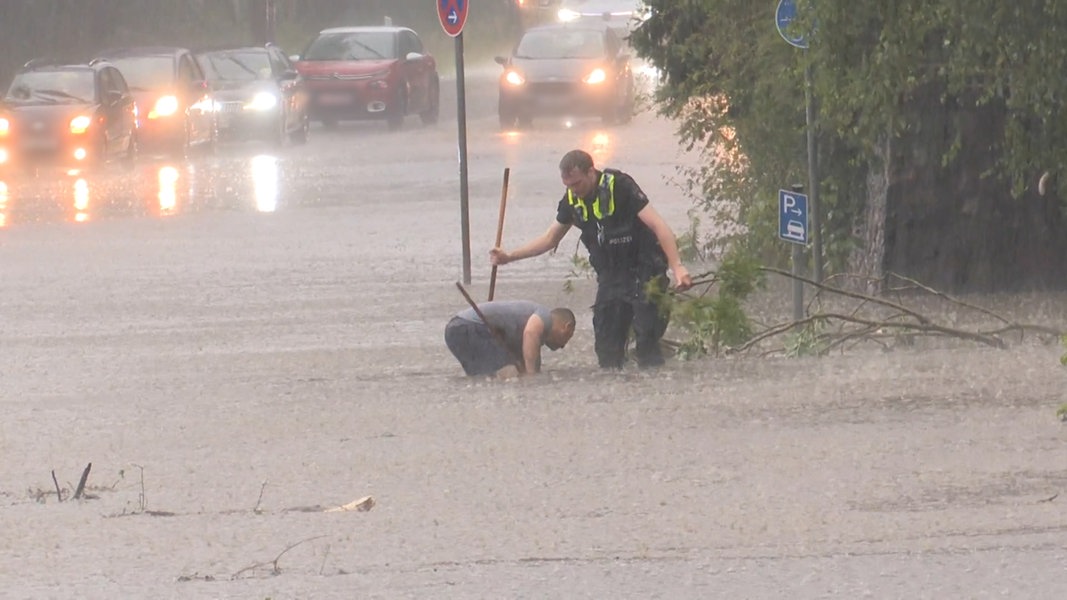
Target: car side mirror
{"type": "Point", "coordinates": [500, 60]}
{"type": "Point", "coordinates": [115, 97]}
{"type": "Point", "coordinates": [413, 56]}
{"type": "Point", "coordinates": [294, 57]}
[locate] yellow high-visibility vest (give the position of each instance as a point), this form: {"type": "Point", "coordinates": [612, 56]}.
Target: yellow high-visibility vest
{"type": "Point", "coordinates": [606, 186]}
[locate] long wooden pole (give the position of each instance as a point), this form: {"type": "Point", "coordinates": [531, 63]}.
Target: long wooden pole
{"type": "Point", "coordinates": [499, 229]}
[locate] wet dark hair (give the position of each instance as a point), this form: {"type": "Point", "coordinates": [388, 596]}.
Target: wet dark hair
{"type": "Point", "coordinates": [576, 159]}
{"type": "Point", "coordinates": [564, 315]}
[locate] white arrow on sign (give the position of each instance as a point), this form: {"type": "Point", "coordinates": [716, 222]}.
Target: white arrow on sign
{"type": "Point", "coordinates": [453, 16]}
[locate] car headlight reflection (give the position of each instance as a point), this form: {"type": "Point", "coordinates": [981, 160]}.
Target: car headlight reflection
{"type": "Point", "coordinates": [164, 107]}
{"type": "Point", "coordinates": [514, 78]}
{"type": "Point", "coordinates": [80, 124]}
{"type": "Point", "coordinates": [597, 76]}
{"type": "Point", "coordinates": [567, 15]}
{"type": "Point", "coordinates": [5, 126]}
{"type": "Point", "coordinates": [263, 101]}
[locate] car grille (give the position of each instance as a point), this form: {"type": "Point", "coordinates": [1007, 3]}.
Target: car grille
{"type": "Point", "coordinates": [337, 77]}
{"type": "Point", "coordinates": [229, 108]}
{"type": "Point", "coordinates": [552, 87]}
{"type": "Point", "coordinates": [38, 129]}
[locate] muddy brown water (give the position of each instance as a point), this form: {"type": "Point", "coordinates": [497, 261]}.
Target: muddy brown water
{"type": "Point", "coordinates": [232, 368]}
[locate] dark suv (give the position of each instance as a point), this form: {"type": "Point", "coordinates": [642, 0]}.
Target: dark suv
{"type": "Point", "coordinates": [67, 114]}
{"type": "Point", "coordinates": [173, 96]}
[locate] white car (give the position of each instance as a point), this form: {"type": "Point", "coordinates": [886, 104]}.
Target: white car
{"type": "Point", "coordinates": [621, 15]}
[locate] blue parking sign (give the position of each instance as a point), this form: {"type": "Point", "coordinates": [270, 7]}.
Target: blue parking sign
{"type": "Point", "coordinates": [793, 217]}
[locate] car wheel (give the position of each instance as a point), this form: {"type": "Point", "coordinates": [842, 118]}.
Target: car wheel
{"type": "Point", "coordinates": [99, 153]}
{"type": "Point", "coordinates": [130, 158]}
{"type": "Point", "coordinates": [433, 111]}
{"type": "Point", "coordinates": [394, 118]}
{"type": "Point", "coordinates": [509, 117]}
{"type": "Point", "coordinates": [211, 146]}
{"type": "Point", "coordinates": [610, 114]}
{"type": "Point", "coordinates": [279, 135]}
{"type": "Point", "coordinates": [184, 148]}
{"type": "Point", "coordinates": [626, 113]}
{"type": "Point", "coordinates": [300, 136]}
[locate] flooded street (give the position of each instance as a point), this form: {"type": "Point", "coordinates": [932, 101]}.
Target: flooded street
{"type": "Point", "coordinates": [239, 341]}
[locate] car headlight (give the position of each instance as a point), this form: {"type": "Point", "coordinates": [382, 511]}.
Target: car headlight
{"type": "Point", "coordinates": [566, 15]}
{"type": "Point", "coordinates": [164, 107]}
{"type": "Point", "coordinates": [263, 101]}
{"type": "Point", "coordinates": [514, 78]}
{"type": "Point", "coordinates": [5, 126]}
{"type": "Point", "coordinates": [80, 124]}
{"type": "Point", "coordinates": [597, 76]}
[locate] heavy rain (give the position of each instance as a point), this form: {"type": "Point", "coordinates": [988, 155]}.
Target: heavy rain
{"type": "Point", "coordinates": [224, 372]}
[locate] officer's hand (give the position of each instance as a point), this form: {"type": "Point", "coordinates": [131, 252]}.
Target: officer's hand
{"type": "Point", "coordinates": [497, 256]}
{"type": "Point", "coordinates": [682, 280]}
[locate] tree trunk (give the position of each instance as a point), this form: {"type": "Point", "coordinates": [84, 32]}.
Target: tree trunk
{"type": "Point", "coordinates": [868, 259]}
{"type": "Point", "coordinates": [957, 229]}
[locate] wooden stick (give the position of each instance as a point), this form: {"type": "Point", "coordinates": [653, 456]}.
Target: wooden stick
{"type": "Point", "coordinates": [499, 229]}
{"type": "Point", "coordinates": [59, 493]}
{"type": "Point", "coordinates": [81, 483]}
{"type": "Point", "coordinates": [519, 363]}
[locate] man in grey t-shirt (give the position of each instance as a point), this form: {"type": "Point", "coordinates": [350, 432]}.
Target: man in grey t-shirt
{"type": "Point", "coordinates": [513, 336]}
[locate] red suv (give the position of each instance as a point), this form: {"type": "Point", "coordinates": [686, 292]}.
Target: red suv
{"type": "Point", "coordinates": [382, 72]}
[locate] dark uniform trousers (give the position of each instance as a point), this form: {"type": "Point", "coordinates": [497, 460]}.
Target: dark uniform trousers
{"type": "Point", "coordinates": [620, 306]}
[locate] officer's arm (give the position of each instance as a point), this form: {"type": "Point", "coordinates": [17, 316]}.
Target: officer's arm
{"type": "Point", "coordinates": [531, 344]}
{"type": "Point", "coordinates": [537, 246]}
{"type": "Point", "coordinates": [667, 241]}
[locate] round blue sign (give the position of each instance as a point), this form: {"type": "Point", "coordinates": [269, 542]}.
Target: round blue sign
{"type": "Point", "coordinates": [783, 18]}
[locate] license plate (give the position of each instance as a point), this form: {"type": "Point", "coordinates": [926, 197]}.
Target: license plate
{"type": "Point", "coordinates": [335, 99]}
{"type": "Point", "coordinates": [555, 100]}
{"type": "Point", "coordinates": [39, 144]}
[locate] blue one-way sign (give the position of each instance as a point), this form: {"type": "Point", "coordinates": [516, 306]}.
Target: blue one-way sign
{"type": "Point", "coordinates": [793, 217]}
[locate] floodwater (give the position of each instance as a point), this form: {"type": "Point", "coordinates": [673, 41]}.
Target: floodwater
{"type": "Point", "coordinates": [240, 342]}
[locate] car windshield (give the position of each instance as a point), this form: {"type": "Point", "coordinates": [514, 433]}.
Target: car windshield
{"type": "Point", "coordinates": [75, 86]}
{"type": "Point", "coordinates": [550, 44]}
{"type": "Point", "coordinates": [144, 73]}
{"type": "Point", "coordinates": [236, 66]}
{"type": "Point", "coordinates": [362, 45]}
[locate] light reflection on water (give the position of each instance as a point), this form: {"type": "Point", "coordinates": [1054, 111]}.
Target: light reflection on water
{"type": "Point", "coordinates": [168, 190]}
{"type": "Point", "coordinates": [81, 200]}
{"type": "Point", "coordinates": [153, 189]}
{"type": "Point", "coordinates": [265, 182]}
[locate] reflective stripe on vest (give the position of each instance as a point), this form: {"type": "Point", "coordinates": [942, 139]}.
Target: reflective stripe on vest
{"type": "Point", "coordinates": [607, 184]}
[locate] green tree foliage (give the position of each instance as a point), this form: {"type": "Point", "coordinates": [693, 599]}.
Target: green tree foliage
{"type": "Point", "coordinates": [715, 319]}
{"type": "Point", "coordinates": [736, 89]}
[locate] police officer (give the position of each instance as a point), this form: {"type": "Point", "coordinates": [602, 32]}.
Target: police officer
{"type": "Point", "coordinates": [630, 246]}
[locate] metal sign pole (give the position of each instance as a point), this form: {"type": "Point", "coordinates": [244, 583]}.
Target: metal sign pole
{"type": "Point", "coordinates": [461, 118]}
{"type": "Point", "coordinates": [813, 177]}
{"type": "Point", "coordinates": [798, 271]}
